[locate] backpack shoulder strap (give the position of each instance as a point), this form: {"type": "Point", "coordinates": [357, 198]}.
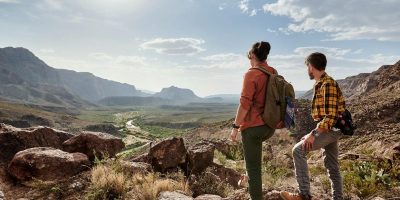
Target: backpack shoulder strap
{"type": "Point", "coordinates": [266, 71]}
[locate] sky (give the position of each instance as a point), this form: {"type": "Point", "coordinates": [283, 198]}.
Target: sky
{"type": "Point", "coordinates": [202, 44]}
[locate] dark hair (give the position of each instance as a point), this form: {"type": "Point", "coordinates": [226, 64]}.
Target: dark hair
{"type": "Point", "coordinates": [260, 50]}
{"type": "Point", "coordinates": [317, 60]}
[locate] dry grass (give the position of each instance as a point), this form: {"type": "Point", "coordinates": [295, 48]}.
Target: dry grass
{"type": "Point", "coordinates": [106, 183]}
{"type": "Point", "coordinates": [110, 181]}
{"type": "Point", "coordinates": [148, 187]}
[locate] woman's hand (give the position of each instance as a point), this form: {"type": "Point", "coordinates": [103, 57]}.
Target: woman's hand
{"type": "Point", "coordinates": [234, 133]}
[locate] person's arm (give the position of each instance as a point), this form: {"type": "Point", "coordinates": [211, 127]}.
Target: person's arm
{"type": "Point", "coordinates": [330, 108]}
{"type": "Point", "coordinates": [330, 112]}
{"type": "Point", "coordinates": [246, 100]}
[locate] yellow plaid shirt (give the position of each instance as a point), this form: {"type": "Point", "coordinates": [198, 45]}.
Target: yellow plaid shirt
{"type": "Point", "coordinates": [327, 103]}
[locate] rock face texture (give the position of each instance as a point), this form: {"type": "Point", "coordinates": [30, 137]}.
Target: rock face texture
{"type": "Point", "coordinates": [94, 144]}
{"type": "Point", "coordinates": [46, 163]}
{"type": "Point", "coordinates": [200, 157]}
{"type": "Point", "coordinates": [13, 139]}
{"type": "Point", "coordinates": [166, 154]}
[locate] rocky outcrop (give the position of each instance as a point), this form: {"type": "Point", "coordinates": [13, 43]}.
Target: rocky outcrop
{"type": "Point", "coordinates": [46, 163]}
{"type": "Point", "coordinates": [168, 153]}
{"type": "Point", "coordinates": [94, 144]}
{"type": "Point", "coordinates": [13, 139]}
{"type": "Point", "coordinates": [173, 196]}
{"type": "Point", "coordinates": [136, 167]}
{"type": "Point", "coordinates": [200, 157]}
{"type": "Point", "coordinates": [104, 128]}
{"type": "Point", "coordinates": [226, 174]}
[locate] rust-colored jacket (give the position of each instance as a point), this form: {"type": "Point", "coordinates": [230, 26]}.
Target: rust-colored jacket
{"type": "Point", "coordinates": [253, 96]}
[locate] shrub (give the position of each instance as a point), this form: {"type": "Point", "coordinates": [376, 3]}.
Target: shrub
{"type": "Point", "coordinates": [208, 183]}
{"type": "Point", "coordinates": [107, 183]}
{"type": "Point", "coordinates": [273, 173]}
{"type": "Point", "coordinates": [365, 178]}
{"type": "Point", "coordinates": [235, 153]}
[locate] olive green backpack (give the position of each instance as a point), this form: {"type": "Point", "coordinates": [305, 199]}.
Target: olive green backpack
{"type": "Point", "coordinates": [278, 93]}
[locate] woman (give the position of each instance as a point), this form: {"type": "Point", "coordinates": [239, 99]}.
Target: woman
{"type": "Point", "coordinates": [248, 117]}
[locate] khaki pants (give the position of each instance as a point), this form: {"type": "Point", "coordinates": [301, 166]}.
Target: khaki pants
{"type": "Point", "coordinates": [329, 142]}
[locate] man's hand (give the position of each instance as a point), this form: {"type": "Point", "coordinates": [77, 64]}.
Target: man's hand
{"type": "Point", "coordinates": [234, 133]}
{"type": "Point", "coordinates": [308, 142]}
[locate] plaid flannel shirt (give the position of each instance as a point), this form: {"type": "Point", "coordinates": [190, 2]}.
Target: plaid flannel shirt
{"type": "Point", "coordinates": [327, 103]}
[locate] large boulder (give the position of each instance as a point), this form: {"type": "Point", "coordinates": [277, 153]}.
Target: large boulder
{"type": "Point", "coordinates": [226, 147]}
{"type": "Point", "coordinates": [94, 144]}
{"type": "Point", "coordinates": [166, 154]}
{"type": "Point", "coordinates": [173, 196]}
{"type": "Point", "coordinates": [46, 163]}
{"type": "Point", "coordinates": [226, 174]}
{"type": "Point", "coordinates": [13, 139]}
{"type": "Point", "coordinates": [200, 157]}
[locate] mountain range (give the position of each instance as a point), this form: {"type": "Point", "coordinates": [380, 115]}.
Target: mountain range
{"type": "Point", "coordinates": [24, 78]}
{"type": "Point", "coordinates": [27, 79]}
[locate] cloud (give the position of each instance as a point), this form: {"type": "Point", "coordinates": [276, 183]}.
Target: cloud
{"type": "Point", "coordinates": [174, 46]}
{"type": "Point", "coordinates": [334, 52]}
{"type": "Point", "coordinates": [244, 6]}
{"type": "Point", "coordinates": [341, 64]}
{"type": "Point", "coordinates": [47, 51]}
{"type": "Point", "coordinates": [222, 6]}
{"type": "Point", "coordinates": [131, 61]}
{"type": "Point", "coordinates": [100, 56]}
{"type": "Point", "coordinates": [223, 61]}
{"type": "Point", "coordinates": [342, 19]}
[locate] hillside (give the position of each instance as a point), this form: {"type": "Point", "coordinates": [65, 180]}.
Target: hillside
{"type": "Point", "coordinates": [27, 79]}
{"type": "Point", "coordinates": [373, 98]}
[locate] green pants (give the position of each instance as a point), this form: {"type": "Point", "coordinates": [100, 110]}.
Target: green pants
{"type": "Point", "coordinates": [252, 139]}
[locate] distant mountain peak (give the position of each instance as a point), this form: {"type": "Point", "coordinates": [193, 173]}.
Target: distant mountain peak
{"type": "Point", "coordinates": [178, 94]}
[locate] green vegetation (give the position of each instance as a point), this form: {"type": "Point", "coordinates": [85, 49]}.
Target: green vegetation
{"type": "Point", "coordinates": [366, 178]}
{"type": "Point", "coordinates": [273, 173]}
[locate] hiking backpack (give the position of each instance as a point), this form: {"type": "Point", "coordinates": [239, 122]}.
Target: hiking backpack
{"type": "Point", "coordinates": [279, 99]}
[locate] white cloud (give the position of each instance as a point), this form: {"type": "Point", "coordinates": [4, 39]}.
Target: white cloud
{"type": "Point", "coordinates": [341, 64]}
{"type": "Point", "coordinates": [100, 56]}
{"type": "Point", "coordinates": [222, 6]}
{"type": "Point", "coordinates": [132, 61]}
{"type": "Point", "coordinates": [334, 52]}
{"type": "Point", "coordinates": [174, 46]}
{"type": "Point", "coordinates": [253, 12]}
{"type": "Point", "coordinates": [47, 51]}
{"type": "Point", "coordinates": [244, 6]}
{"type": "Point", "coordinates": [223, 57]}
{"type": "Point", "coordinates": [342, 19]}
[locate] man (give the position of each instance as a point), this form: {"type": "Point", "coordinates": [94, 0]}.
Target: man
{"type": "Point", "coordinates": [327, 103]}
